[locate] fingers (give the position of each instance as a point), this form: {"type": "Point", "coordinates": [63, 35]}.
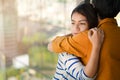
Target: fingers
{"type": "Point", "coordinates": [92, 31]}
{"type": "Point", "coordinates": [100, 32]}
{"type": "Point", "coordinates": [97, 31]}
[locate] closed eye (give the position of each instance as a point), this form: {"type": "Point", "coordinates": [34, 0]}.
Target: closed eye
{"type": "Point", "coordinates": [72, 23]}
{"type": "Point", "coordinates": [83, 23]}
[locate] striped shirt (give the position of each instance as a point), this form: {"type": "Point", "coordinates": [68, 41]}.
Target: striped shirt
{"type": "Point", "coordinates": [69, 67]}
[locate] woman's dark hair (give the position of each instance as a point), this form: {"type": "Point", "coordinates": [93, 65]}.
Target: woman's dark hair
{"type": "Point", "coordinates": [107, 8]}
{"type": "Point", "coordinates": [89, 12]}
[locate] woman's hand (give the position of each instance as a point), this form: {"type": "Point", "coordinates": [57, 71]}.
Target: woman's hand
{"type": "Point", "coordinates": [96, 37]}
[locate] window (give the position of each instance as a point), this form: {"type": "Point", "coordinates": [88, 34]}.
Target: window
{"type": "Point", "coordinates": [26, 28]}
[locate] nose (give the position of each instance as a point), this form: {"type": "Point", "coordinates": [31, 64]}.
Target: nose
{"type": "Point", "coordinates": [77, 27]}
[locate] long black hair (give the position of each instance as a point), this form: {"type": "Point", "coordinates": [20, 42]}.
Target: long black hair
{"type": "Point", "coordinates": [89, 12]}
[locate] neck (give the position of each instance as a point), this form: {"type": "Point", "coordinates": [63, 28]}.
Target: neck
{"type": "Point", "coordinates": [99, 19]}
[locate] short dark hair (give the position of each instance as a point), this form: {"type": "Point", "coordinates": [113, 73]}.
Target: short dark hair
{"type": "Point", "coordinates": [107, 8]}
{"type": "Point", "coordinates": [89, 12]}
{"type": "Point", "coordinates": [87, 1]}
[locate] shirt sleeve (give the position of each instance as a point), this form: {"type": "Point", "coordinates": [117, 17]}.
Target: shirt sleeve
{"type": "Point", "coordinates": [77, 45]}
{"type": "Point", "coordinates": [84, 76]}
{"type": "Point", "coordinates": [74, 67]}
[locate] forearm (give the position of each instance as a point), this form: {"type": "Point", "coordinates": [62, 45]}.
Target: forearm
{"type": "Point", "coordinates": [76, 45]}
{"type": "Point", "coordinates": [54, 45]}
{"type": "Point", "coordinates": [92, 65]}
{"type": "Point", "coordinates": [56, 39]}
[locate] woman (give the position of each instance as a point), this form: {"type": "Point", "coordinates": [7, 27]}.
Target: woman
{"type": "Point", "coordinates": [70, 67]}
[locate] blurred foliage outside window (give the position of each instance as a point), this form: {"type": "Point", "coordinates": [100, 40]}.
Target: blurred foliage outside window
{"type": "Point", "coordinates": [32, 24]}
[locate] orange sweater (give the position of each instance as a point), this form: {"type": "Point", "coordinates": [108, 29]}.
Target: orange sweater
{"type": "Point", "coordinates": [80, 46]}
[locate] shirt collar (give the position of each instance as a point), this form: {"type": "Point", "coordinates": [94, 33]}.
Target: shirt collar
{"type": "Point", "coordinates": [107, 20]}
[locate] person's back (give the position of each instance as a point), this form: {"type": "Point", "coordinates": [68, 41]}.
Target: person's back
{"type": "Point", "coordinates": [110, 53]}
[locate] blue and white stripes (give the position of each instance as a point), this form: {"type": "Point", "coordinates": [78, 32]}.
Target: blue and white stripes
{"type": "Point", "coordinates": [69, 67]}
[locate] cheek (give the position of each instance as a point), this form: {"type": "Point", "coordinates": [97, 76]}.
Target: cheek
{"type": "Point", "coordinates": [84, 28]}
{"type": "Point", "coordinates": [72, 30]}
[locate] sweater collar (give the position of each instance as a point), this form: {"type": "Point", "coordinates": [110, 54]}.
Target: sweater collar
{"type": "Point", "coordinates": [107, 20]}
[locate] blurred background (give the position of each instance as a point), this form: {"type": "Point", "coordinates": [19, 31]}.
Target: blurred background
{"type": "Point", "coordinates": [26, 27]}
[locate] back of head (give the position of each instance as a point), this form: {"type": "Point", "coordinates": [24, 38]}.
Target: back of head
{"type": "Point", "coordinates": [89, 12]}
{"type": "Point", "coordinates": [107, 8]}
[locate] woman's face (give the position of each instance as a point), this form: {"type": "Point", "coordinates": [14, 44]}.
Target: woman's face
{"type": "Point", "coordinates": [79, 23]}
